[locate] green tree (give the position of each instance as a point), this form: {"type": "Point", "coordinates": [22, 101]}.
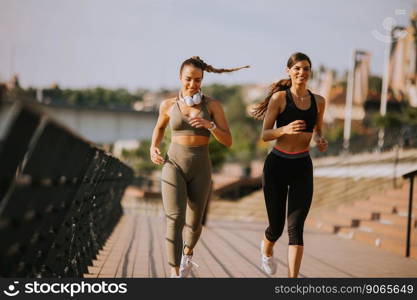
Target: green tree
{"type": "Point", "coordinates": [93, 97]}
{"type": "Point", "coordinates": [245, 130]}
{"type": "Point", "coordinates": [398, 126]}
{"type": "Point", "coordinates": [140, 160]}
{"type": "Point", "coordinates": [389, 121]}
{"type": "Point", "coordinates": [218, 154]}
{"type": "Point", "coordinates": [375, 83]}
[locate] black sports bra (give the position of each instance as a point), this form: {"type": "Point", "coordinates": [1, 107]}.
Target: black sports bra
{"type": "Point", "coordinates": [292, 113]}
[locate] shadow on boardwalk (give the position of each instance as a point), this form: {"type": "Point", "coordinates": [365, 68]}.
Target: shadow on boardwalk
{"type": "Point", "coordinates": [231, 249]}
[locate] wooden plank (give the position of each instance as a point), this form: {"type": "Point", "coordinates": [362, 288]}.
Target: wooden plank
{"type": "Point", "coordinates": [125, 267]}
{"type": "Point", "coordinates": [138, 241]}
{"type": "Point", "coordinates": [141, 264]}
{"type": "Point", "coordinates": [224, 254]}
{"type": "Point", "coordinates": [109, 245]}
{"type": "Point", "coordinates": [160, 227]}
{"type": "Point", "coordinates": [253, 239]}
{"type": "Point", "coordinates": [249, 256]}
{"type": "Point", "coordinates": [231, 249]}
{"type": "Point", "coordinates": [204, 269]}
{"type": "Point", "coordinates": [112, 262]}
{"type": "Point", "coordinates": [157, 249]}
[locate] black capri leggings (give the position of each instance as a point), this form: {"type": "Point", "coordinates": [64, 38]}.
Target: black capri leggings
{"type": "Point", "coordinates": [291, 175]}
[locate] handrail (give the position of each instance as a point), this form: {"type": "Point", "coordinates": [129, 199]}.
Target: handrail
{"type": "Point", "coordinates": [59, 197]}
{"type": "Point", "coordinates": [410, 176]}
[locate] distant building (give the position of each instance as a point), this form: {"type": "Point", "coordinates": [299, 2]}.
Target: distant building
{"type": "Point", "coordinates": [13, 83]}
{"type": "Point", "coordinates": [335, 109]}
{"type": "Point", "coordinates": [403, 62]}
{"type": "Point", "coordinates": [254, 93]}
{"type": "Point", "coordinates": [152, 100]}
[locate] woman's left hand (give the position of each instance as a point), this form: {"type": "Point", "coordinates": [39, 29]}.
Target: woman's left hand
{"type": "Point", "coordinates": [198, 122]}
{"type": "Point", "coordinates": [322, 144]}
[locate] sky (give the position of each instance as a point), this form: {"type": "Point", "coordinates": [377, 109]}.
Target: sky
{"type": "Point", "coordinates": [141, 43]}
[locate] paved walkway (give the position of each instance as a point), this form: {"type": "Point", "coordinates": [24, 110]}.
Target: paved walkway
{"type": "Point", "coordinates": [230, 249]}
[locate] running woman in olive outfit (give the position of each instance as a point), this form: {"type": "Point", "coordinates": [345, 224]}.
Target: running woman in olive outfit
{"type": "Point", "coordinates": [186, 172]}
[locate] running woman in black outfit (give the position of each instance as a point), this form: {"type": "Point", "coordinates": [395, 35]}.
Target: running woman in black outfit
{"type": "Point", "coordinates": [288, 171]}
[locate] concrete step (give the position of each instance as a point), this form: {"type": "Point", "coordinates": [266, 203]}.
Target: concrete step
{"type": "Point", "coordinates": [382, 198]}
{"type": "Point", "coordinates": [379, 240]}
{"type": "Point", "coordinates": [401, 193]}
{"type": "Point", "coordinates": [364, 233]}
{"type": "Point", "coordinates": [398, 202]}
{"type": "Point", "coordinates": [314, 222]}
{"type": "Point", "coordinates": [373, 220]}
{"type": "Point", "coordinates": [398, 194]}
{"type": "Point", "coordinates": [403, 211]}
{"type": "Point", "coordinates": [375, 207]}
{"type": "Point", "coordinates": [331, 221]}
{"type": "Point", "coordinates": [228, 212]}
{"type": "Point", "coordinates": [235, 205]}
{"type": "Point", "coordinates": [392, 230]}
{"type": "Point", "coordinates": [357, 212]}
{"type": "Point", "coordinates": [388, 218]}
{"type": "Point", "coordinates": [384, 208]}
{"type": "Point", "coordinates": [406, 185]}
{"type": "Point", "coordinates": [339, 219]}
{"type": "Point", "coordinates": [339, 188]}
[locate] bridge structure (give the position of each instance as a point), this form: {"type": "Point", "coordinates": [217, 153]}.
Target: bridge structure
{"type": "Point", "coordinates": [65, 212]}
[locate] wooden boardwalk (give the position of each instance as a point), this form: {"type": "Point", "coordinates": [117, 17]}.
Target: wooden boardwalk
{"type": "Point", "coordinates": [230, 249]}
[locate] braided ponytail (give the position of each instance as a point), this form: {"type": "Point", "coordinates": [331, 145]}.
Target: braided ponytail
{"type": "Point", "coordinates": [197, 62]}
{"type": "Point", "coordinates": [212, 69]}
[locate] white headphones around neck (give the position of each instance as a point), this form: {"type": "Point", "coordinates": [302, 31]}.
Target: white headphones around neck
{"type": "Point", "coordinates": [192, 100]}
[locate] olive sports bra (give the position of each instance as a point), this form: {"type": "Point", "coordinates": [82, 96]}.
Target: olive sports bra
{"type": "Point", "coordinates": [180, 125]}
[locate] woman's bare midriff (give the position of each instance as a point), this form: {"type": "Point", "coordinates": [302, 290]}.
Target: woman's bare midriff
{"type": "Point", "coordinates": [191, 140]}
{"type": "Point", "coordinates": [294, 142]}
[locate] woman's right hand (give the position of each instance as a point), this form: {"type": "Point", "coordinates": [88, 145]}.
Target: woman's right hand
{"type": "Point", "coordinates": [155, 154]}
{"type": "Point", "coordinates": [294, 127]}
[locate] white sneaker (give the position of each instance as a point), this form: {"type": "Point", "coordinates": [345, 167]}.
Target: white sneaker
{"type": "Point", "coordinates": [186, 265]}
{"type": "Point", "coordinates": [268, 263]}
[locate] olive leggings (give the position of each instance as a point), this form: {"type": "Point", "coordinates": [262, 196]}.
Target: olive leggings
{"type": "Point", "coordinates": [186, 185]}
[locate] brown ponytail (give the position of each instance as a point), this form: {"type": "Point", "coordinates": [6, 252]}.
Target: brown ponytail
{"type": "Point", "coordinates": [197, 62]}
{"type": "Point", "coordinates": [259, 111]}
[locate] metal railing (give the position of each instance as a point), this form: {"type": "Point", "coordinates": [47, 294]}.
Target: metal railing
{"type": "Point", "coordinates": [410, 176]}
{"type": "Point", "coordinates": [59, 197]}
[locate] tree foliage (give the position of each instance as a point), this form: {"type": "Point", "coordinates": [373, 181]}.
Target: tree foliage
{"type": "Point", "coordinates": [92, 97]}
{"type": "Point", "coordinates": [245, 130]}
